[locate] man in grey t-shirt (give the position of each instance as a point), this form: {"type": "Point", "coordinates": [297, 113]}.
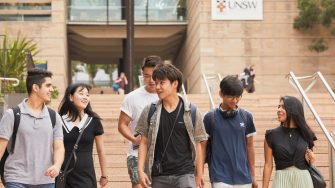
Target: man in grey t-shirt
{"type": "Point", "coordinates": [39, 149]}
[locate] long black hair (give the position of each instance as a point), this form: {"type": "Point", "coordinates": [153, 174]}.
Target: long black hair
{"type": "Point", "coordinates": [295, 112]}
{"type": "Point", "coordinates": [67, 107]}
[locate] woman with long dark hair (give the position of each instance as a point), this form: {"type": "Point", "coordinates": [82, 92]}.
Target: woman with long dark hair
{"type": "Point", "coordinates": [78, 116]}
{"type": "Point", "coordinates": [290, 145]}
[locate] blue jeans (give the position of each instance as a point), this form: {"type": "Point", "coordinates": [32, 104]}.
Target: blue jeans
{"type": "Point", "coordinates": [21, 185]}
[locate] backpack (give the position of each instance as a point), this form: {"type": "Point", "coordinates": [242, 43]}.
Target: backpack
{"type": "Point", "coordinates": [17, 117]}
{"type": "Point", "coordinates": [153, 109]}
{"type": "Point", "coordinates": [244, 116]}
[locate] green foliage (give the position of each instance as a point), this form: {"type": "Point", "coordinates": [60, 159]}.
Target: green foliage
{"type": "Point", "coordinates": [315, 13]}
{"type": "Point", "coordinates": [54, 93]}
{"type": "Point", "coordinates": [319, 45]}
{"type": "Point", "coordinates": [308, 16]}
{"type": "Point", "coordinates": [13, 60]}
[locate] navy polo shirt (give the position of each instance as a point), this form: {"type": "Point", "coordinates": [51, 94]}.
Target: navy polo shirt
{"type": "Point", "coordinates": [229, 163]}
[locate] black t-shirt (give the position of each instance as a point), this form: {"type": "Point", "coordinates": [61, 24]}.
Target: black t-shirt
{"type": "Point", "coordinates": [178, 156]}
{"type": "Point", "coordinates": [288, 147]}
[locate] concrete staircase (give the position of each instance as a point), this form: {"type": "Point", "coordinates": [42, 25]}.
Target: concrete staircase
{"type": "Point", "coordinates": [263, 107]}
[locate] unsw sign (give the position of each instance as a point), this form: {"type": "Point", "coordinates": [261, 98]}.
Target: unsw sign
{"type": "Point", "coordinates": [237, 9]}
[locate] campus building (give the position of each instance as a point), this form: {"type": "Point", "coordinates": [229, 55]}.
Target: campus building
{"type": "Point", "coordinates": [199, 36]}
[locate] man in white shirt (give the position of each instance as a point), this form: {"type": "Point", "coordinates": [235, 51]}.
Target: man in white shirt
{"type": "Point", "coordinates": [131, 110]}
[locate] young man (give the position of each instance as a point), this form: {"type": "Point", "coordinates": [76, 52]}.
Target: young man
{"type": "Point", "coordinates": [39, 149]}
{"type": "Point", "coordinates": [131, 109]}
{"type": "Point", "coordinates": [231, 130]}
{"type": "Point", "coordinates": [170, 139]}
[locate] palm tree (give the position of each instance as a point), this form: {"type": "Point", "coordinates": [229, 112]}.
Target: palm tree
{"type": "Point", "coordinates": [13, 59]}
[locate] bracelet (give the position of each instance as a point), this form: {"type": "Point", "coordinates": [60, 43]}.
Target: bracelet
{"type": "Point", "coordinates": [105, 177]}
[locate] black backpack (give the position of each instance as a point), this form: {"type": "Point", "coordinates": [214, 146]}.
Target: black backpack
{"type": "Point", "coordinates": [192, 107]}
{"type": "Point", "coordinates": [241, 112]}
{"type": "Point", "coordinates": [17, 117]}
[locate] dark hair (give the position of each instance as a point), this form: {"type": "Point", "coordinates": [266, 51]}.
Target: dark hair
{"type": "Point", "coordinates": [168, 71]}
{"type": "Point", "coordinates": [151, 61]}
{"type": "Point", "coordinates": [67, 107]}
{"type": "Point", "coordinates": [36, 76]}
{"type": "Point", "coordinates": [231, 85]}
{"type": "Point", "coordinates": [295, 112]}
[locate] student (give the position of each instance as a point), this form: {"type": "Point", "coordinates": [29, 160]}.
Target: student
{"type": "Point", "coordinates": [290, 146]}
{"type": "Point", "coordinates": [78, 116]}
{"type": "Point", "coordinates": [171, 139]}
{"type": "Point", "coordinates": [231, 130]}
{"type": "Point", "coordinates": [39, 150]}
{"type": "Point", "coordinates": [131, 109]}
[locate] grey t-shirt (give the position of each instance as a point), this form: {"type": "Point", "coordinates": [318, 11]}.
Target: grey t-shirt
{"type": "Point", "coordinates": [33, 153]}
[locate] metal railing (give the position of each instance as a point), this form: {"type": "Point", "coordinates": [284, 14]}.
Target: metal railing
{"type": "Point", "coordinates": [209, 88]}
{"type": "Point", "coordinates": [294, 80]}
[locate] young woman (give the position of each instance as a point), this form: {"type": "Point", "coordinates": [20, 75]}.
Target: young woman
{"type": "Point", "coordinates": [122, 81]}
{"type": "Point", "coordinates": [290, 145]}
{"type": "Point", "coordinates": [78, 116]}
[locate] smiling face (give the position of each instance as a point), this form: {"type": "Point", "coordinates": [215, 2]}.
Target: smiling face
{"type": "Point", "coordinates": [44, 92]}
{"type": "Point", "coordinates": [80, 98]}
{"type": "Point", "coordinates": [281, 112]}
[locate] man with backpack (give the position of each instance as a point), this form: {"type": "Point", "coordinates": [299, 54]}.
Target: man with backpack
{"type": "Point", "coordinates": [170, 137]}
{"type": "Point", "coordinates": [131, 109]}
{"type": "Point", "coordinates": [230, 150]}
{"type": "Point", "coordinates": [35, 143]}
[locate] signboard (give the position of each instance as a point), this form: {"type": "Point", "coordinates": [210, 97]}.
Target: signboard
{"type": "Point", "coordinates": [42, 64]}
{"type": "Point", "coordinates": [237, 9]}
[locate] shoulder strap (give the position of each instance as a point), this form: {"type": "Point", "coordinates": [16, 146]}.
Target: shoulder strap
{"type": "Point", "coordinates": [151, 112]}
{"type": "Point", "coordinates": [244, 116]}
{"type": "Point", "coordinates": [52, 115]}
{"type": "Point", "coordinates": [17, 118]}
{"type": "Point", "coordinates": [193, 113]}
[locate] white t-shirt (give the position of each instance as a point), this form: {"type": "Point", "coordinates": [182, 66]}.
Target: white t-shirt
{"type": "Point", "coordinates": [133, 105]}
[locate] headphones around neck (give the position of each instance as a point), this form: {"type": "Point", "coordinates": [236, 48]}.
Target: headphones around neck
{"type": "Point", "coordinates": [228, 113]}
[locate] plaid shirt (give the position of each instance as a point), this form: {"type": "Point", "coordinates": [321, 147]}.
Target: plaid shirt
{"type": "Point", "coordinates": [196, 134]}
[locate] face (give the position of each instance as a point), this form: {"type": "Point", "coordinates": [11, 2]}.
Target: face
{"type": "Point", "coordinates": [44, 92]}
{"type": "Point", "coordinates": [281, 112]}
{"type": "Point", "coordinates": [80, 98]}
{"type": "Point", "coordinates": [229, 102]}
{"type": "Point", "coordinates": [149, 83]}
{"type": "Point", "coordinates": [165, 88]}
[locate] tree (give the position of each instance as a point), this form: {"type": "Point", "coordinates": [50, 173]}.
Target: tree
{"type": "Point", "coordinates": [315, 13]}
{"type": "Point", "coordinates": [13, 60]}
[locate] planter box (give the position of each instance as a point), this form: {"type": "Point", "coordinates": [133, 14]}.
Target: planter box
{"type": "Point", "coordinates": [14, 99]}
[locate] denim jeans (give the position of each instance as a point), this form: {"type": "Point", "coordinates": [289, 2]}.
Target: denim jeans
{"type": "Point", "coordinates": [21, 185]}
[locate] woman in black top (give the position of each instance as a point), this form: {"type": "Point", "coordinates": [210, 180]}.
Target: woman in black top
{"type": "Point", "coordinates": [78, 116]}
{"type": "Point", "coordinates": [290, 145]}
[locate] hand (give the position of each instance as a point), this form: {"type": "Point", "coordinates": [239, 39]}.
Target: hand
{"type": "Point", "coordinates": [254, 183]}
{"type": "Point", "coordinates": [199, 181]}
{"type": "Point", "coordinates": [144, 180]}
{"type": "Point", "coordinates": [309, 156]}
{"type": "Point", "coordinates": [137, 140]}
{"type": "Point", "coordinates": [103, 181]}
{"type": "Point", "coordinates": [52, 171]}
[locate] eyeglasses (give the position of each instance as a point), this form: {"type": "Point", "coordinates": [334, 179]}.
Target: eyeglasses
{"type": "Point", "coordinates": [231, 97]}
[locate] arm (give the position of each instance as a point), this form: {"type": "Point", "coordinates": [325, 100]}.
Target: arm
{"type": "Point", "coordinates": [123, 128]}
{"type": "Point", "coordinates": [58, 156]}
{"type": "Point", "coordinates": [125, 81]}
{"type": "Point", "coordinates": [201, 156]}
{"type": "Point", "coordinates": [3, 145]}
{"type": "Point", "coordinates": [142, 153]}
{"type": "Point", "coordinates": [251, 159]}
{"type": "Point", "coordinates": [267, 165]}
{"type": "Point", "coordinates": [99, 142]}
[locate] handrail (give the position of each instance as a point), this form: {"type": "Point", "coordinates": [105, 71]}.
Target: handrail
{"type": "Point", "coordinates": [208, 89]}
{"type": "Point", "coordinates": [309, 104]}
{"type": "Point", "coordinates": [17, 81]}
